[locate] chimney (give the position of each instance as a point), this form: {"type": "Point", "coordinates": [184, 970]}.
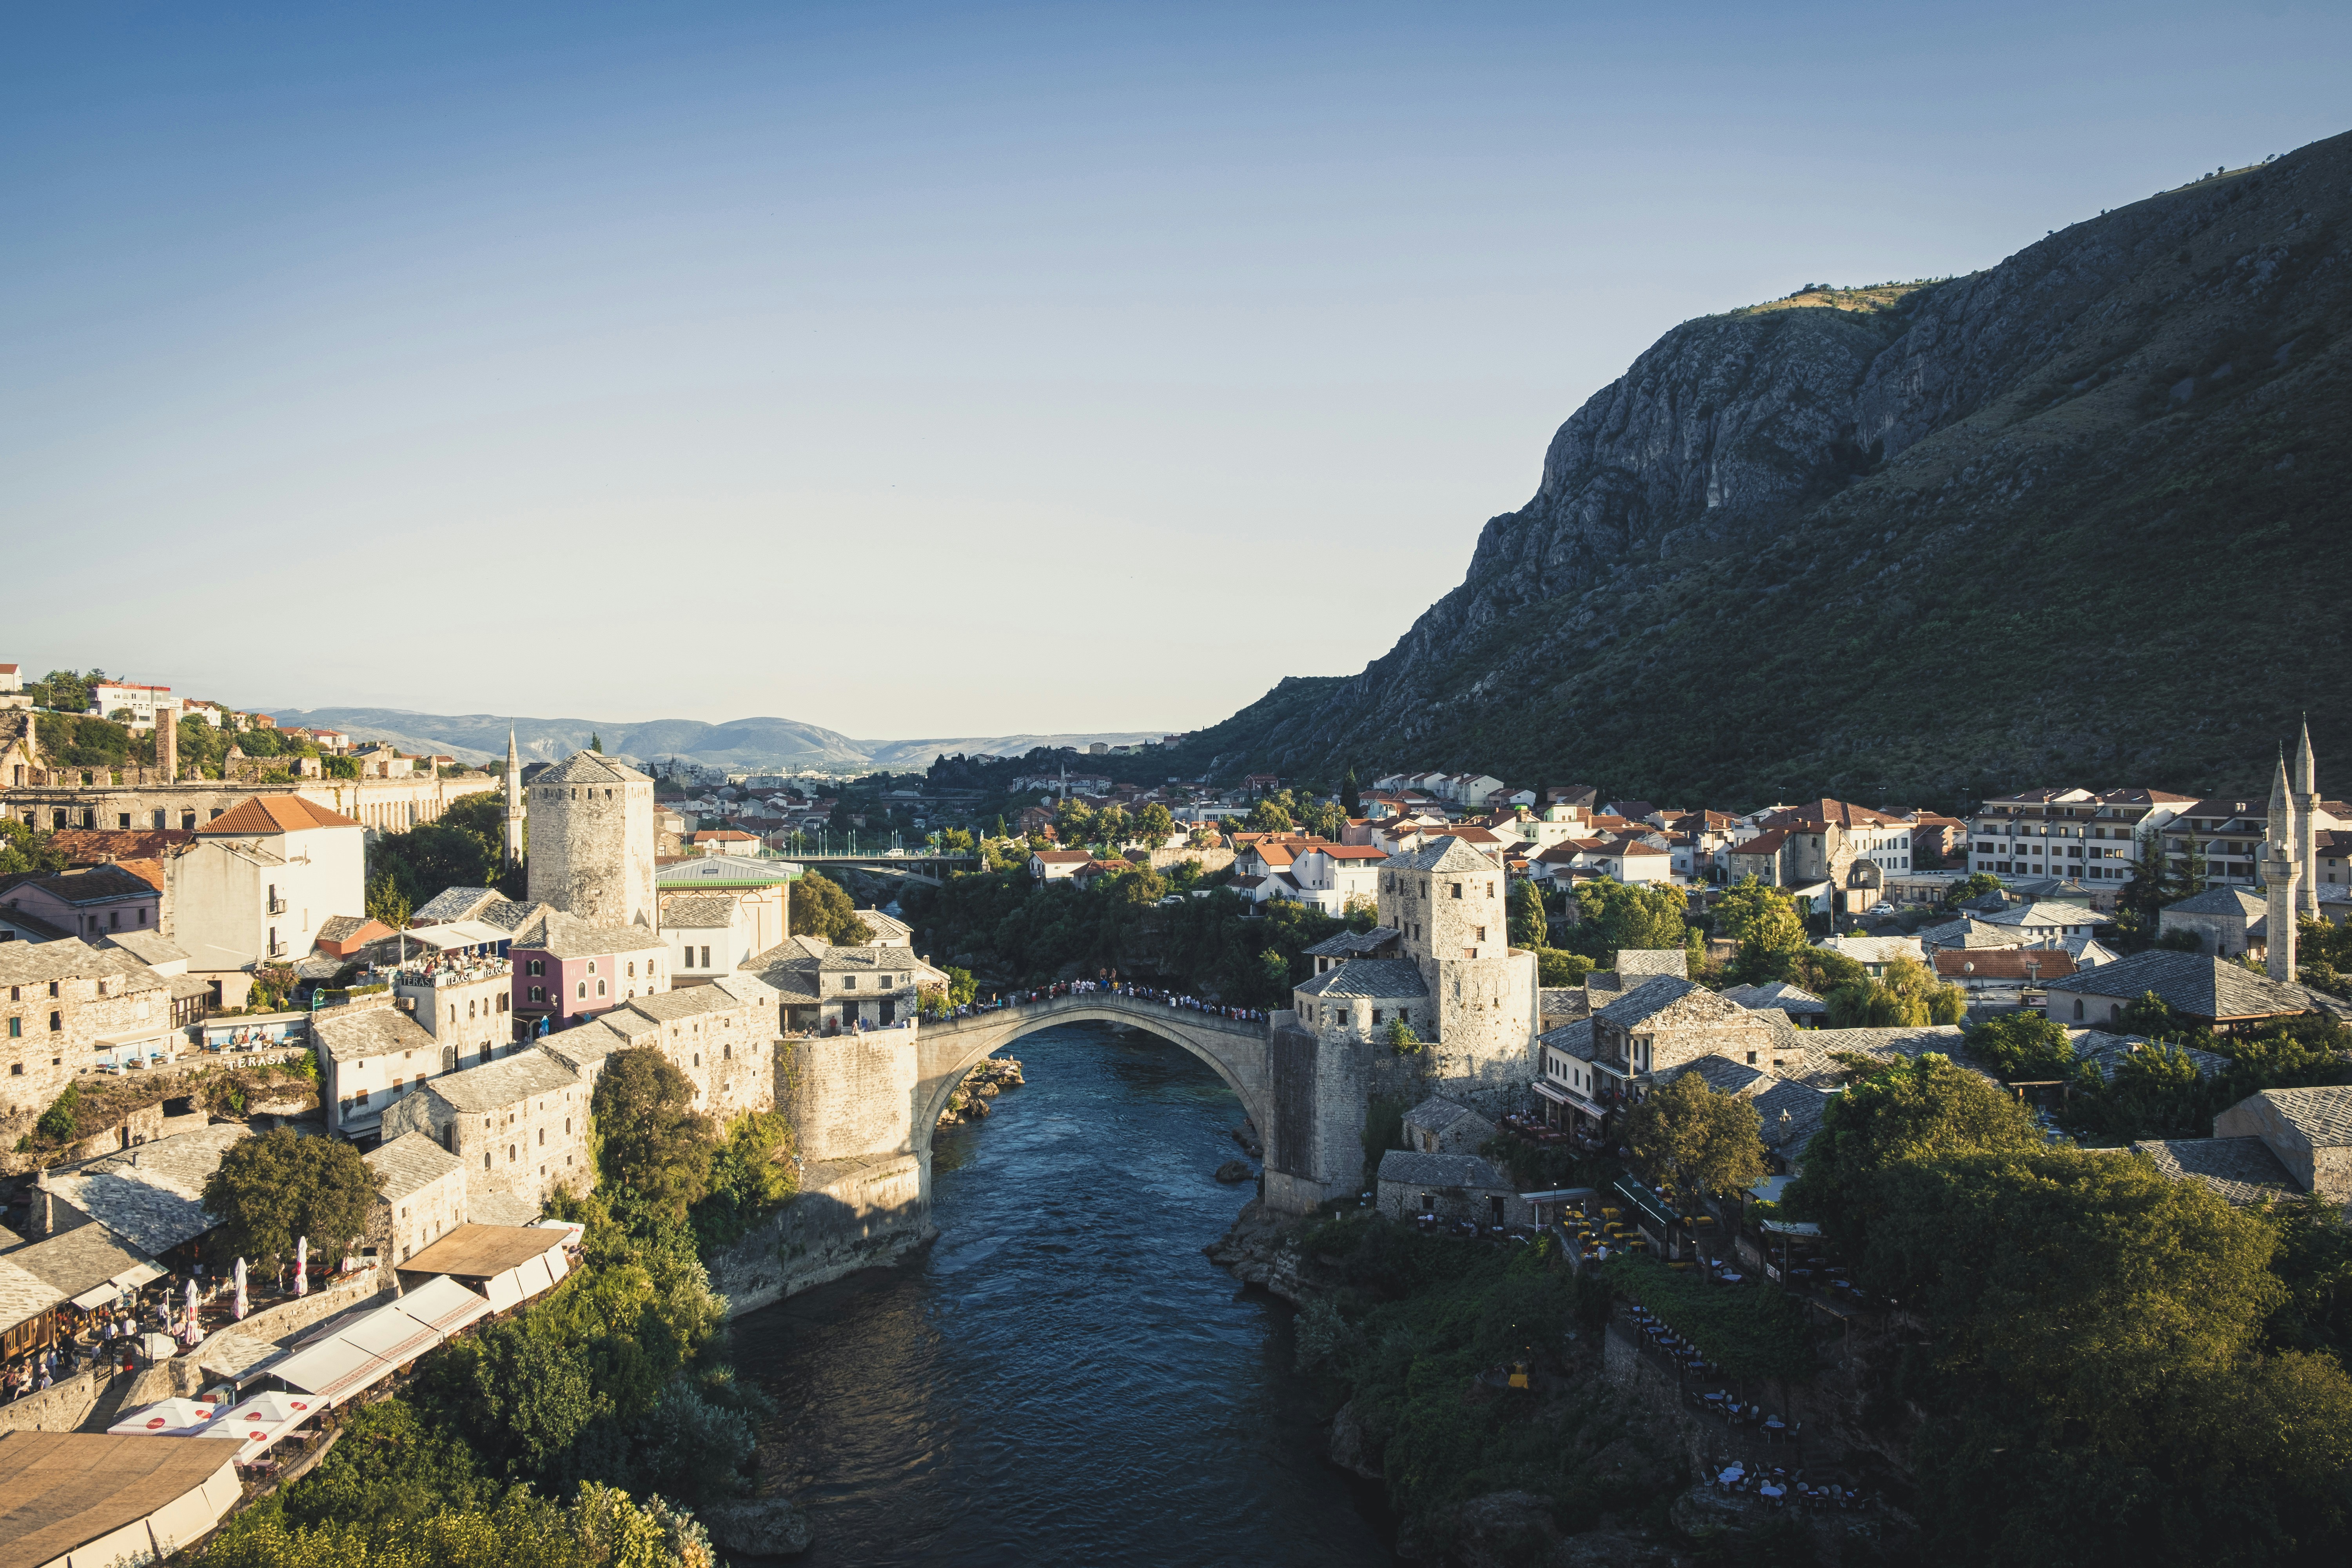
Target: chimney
{"type": "Point", "coordinates": [167, 741]}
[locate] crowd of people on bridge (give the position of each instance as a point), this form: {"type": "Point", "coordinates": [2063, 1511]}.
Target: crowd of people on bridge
{"type": "Point", "coordinates": [999, 1001]}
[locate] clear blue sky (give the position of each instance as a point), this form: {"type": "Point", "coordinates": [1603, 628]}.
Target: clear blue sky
{"type": "Point", "coordinates": [920, 369]}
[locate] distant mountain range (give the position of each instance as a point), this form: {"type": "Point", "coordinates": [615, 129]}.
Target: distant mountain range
{"type": "Point", "coordinates": [739, 745]}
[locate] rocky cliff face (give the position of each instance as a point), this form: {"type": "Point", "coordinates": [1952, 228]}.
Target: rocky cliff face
{"type": "Point", "coordinates": [2042, 519]}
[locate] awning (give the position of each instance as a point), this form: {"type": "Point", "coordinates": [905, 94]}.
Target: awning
{"type": "Point", "coordinates": [1792, 1226]}
{"type": "Point", "coordinates": [389, 1334]}
{"type": "Point", "coordinates": [1770, 1188]}
{"type": "Point", "coordinates": [98, 1296]}
{"type": "Point", "coordinates": [131, 1279]}
{"type": "Point", "coordinates": [1557, 1097]}
{"type": "Point", "coordinates": [332, 1369]}
{"type": "Point", "coordinates": [444, 1305]}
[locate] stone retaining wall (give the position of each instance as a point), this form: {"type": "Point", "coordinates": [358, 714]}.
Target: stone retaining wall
{"type": "Point", "coordinates": [59, 1408]}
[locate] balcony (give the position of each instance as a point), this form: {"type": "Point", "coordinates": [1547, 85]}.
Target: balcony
{"type": "Point", "coordinates": [276, 906]}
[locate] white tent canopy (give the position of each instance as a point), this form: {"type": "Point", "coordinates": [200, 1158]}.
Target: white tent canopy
{"type": "Point", "coordinates": [167, 1419]}
{"type": "Point", "coordinates": [444, 1305]}
{"type": "Point", "coordinates": [334, 1369]}
{"type": "Point", "coordinates": [256, 1422]}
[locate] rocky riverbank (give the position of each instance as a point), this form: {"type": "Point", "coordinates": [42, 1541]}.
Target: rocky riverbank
{"type": "Point", "coordinates": [983, 1083]}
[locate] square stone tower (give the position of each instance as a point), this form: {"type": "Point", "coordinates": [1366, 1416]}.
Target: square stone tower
{"type": "Point", "coordinates": [592, 841]}
{"type": "Point", "coordinates": [1447, 903]}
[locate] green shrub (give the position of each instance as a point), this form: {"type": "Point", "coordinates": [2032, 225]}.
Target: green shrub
{"type": "Point", "coordinates": [1747, 1333]}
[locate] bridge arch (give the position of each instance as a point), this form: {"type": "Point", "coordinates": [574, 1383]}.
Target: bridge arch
{"type": "Point", "coordinates": [1234, 1050]}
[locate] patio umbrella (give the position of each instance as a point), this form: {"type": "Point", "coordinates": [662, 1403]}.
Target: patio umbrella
{"type": "Point", "coordinates": [158, 1347]}
{"type": "Point", "coordinates": [240, 1290]}
{"type": "Point", "coordinates": [302, 1265]}
{"type": "Point", "coordinates": [170, 1418]}
{"type": "Point", "coordinates": [192, 1307]}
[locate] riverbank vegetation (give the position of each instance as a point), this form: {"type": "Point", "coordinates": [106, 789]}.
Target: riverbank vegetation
{"type": "Point", "coordinates": [1408, 1346]}
{"type": "Point", "coordinates": [2137, 1371]}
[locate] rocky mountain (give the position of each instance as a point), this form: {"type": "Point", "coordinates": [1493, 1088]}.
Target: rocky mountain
{"type": "Point", "coordinates": [742, 745]}
{"type": "Point", "coordinates": [2082, 516]}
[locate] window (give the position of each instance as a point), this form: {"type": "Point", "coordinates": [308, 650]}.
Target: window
{"type": "Point", "coordinates": [706, 958]}
{"type": "Point", "coordinates": [16, 1028]}
{"type": "Point", "coordinates": [600, 989]}
{"type": "Point", "coordinates": [592, 967]}
{"type": "Point", "coordinates": [1457, 889]}
{"type": "Point", "coordinates": [57, 1023]}
{"type": "Point", "coordinates": [510, 1153]}
{"type": "Point", "coordinates": [538, 966]}
{"type": "Point", "coordinates": [584, 991]}
{"type": "Point", "coordinates": [542, 1137]}
{"type": "Point", "coordinates": [1482, 934]}
{"type": "Point", "coordinates": [539, 994]}
{"type": "Point", "coordinates": [633, 971]}
{"type": "Point", "coordinates": [849, 983]}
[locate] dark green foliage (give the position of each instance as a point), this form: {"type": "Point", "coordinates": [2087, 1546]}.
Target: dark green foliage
{"type": "Point", "coordinates": [465, 848]}
{"type": "Point", "coordinates": [25, 849]}
{"type": "Point", "coordinates": [751, 1174]}
{"type": "Point", "coordinates": [394, 1462]}
{"type": "Point", "coordinates": [1556, 966]}
{"type": "Point", "coordinates": [820, 908]}
{"type": "Point", "coordinates": [2024, 1046]}
{"type": "Point", "coordinates": [652, 1143]}
{"type": "Point", "coordinates": [1619, 916]}
{"type": "Point", "coordinates": [1748, 1333]}
{"type": "Point", "coordinates": [56, 1123]}
{"type": "Point", "coordinates": [1531, 926]}
{"type": "Point", "coordinates": [271, 1190]}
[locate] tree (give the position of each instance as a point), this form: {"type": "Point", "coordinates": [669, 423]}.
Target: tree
{"type": "Point", "coordinates": [999, 831]}
{"type": "Point", "coordinates": [1074, 821]}
{"type": "Point", "coordinates": [1764, 922]}
{"type": "Point", "coordinates": [1400, 1039]}
{"type": "Point", "coordinates": [1918, 1109]}
{"type": "Point", "coordinates": [1618, 916]}
{"type": "Point", "coordinates": [1111, 826]}
{"type": "Point", "coordinates": [1905, 996]}
{"type": "Point", "coordinates": [1266, 817]}
{"type": "Point", "coordinates": [386, 902]}
{"type": "Point", "coordinates": [820, 908]}
{"type": "Point", "coordinates": [1688, 1140]}
{"type": "Point", "coordinates": [1531, 926]}
{"type": "Point", "coordinates": [1351, 798]}
{"type": "Point", "coordinates": [1557, 967]}
{"type": "Point", "coordinates": [23, 848]}
{"type": "Point", "coordinates": [1273, 971]}
{"type": "Point", "coordinates": [595, 742]}
{"type": "Point", "coordinates": [271, 1190]}
{"type": "Point", "coordinates": [1154, 825]}
{"type": "Point", "coordinates": [653, 1143]}
{"type": "Point", "coordinates": [2024, 1046]}
{"type": "Point", "coordinates": [1325, 820]}
{"type": "Point", "coordinates": [1975, 886]}
{"type": "Point", "coordinates": [2139, 907]}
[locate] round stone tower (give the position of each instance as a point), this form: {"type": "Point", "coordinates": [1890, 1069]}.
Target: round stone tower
{"type": "Point", "coordinates": [591, 840]}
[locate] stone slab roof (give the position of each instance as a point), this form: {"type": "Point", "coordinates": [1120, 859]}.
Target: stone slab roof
{"type": "Point", "coordinates": [495, 1085]}
{"type": "Point", "coordinates": [1437, 1113]}
{"type": "Point", "coordinates": [1875, 948]}
{"type": "Point", "coordinates": [697, 1001]}
{"type": "Point", "coordinates": [351, 1036]}
{"type": "Point", "coordinates": [79, 1259]}
{"type": "Point", "coordinates": [1669, 998]}
{"type": "Point", "coordinates": [558, 935]}
{"type": "Point", "coordinates": [24, 1296]}
{"type": "Point", "coordinates": [701, 912]}
{"type": "Point", "coordinates": [409, 1163]}
{"type": "Point", "coordinates": [2107, 1051]}
{"type": "Point", "coordinates": [1369, 977]}
{"type": "Point", "coordinates": [584, 1046]}
{"type": "Point", "coordinates": [38, 962]}
{"type": "Point", "coordinates": [2323, 1116]}
{"type": "Point", "coordinates": [2243, 1170]}
{"type": "Point", "coordinates": [2200, 985]}
{"type": "Point", "coordinates": [1353, 943]}
{"type": "Point", "coordinates": [589, 768]}
{"type": "Point", "coordinates": [500, 1208]}
{"type": "Point", "coordinates": [1414, 1169]}
{"type": "Point", "coordinates": [2221, 902]}
{"type": "Point", "coordinates": [1791, 1000]}
{"type": "Point", "coordinates": [455, 904]}
{"type": "Point", "coordinates": [1445, 854]}
{"type": "Point", "coordinates": [1572, 1039]}
{"type": "Point", "coordinates": [1649, 961]}
{"type": "Point", "coordinates": [151, 1196]}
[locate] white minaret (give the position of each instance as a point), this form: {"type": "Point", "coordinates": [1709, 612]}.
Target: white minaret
{"type": "Point", "coordinates": [2278, 878]}
{"type": "Point", "coordinates": [2306, 838]}
{"type": "Point", "coordinates": [514, 803]}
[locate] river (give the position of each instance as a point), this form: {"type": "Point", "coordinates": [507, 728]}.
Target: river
{"type": "Point", "coordinates": [1061, 1377]}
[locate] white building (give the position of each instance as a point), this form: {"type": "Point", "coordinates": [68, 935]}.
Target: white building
{"type": "Point", "coordinates": [261, 879]}
{"type": "Point", "coordinates": [112, 697]}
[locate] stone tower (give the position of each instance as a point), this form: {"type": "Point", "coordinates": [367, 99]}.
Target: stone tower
{"type": "Point", "coordinates": [2306, 835]}
{"type": "Point", "coordinates": [592, 841]}
{"type": "Point", "coordinates": [1446, 902]}
{"type": "Point", "coordinates": [2279, 877]}
{"type": "Point", "coordinates": [514, 803]}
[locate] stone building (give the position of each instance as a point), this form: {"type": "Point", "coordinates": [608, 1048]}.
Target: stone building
{"type": "Point", "coordinates": [1359, 998]}
{"type": "Point", "coordinates": [516, 812]}
{"type": "Point", "coordinates": [1439, 1126]}
{"type": "Point", "coordinates": [466, 1002]}
{"type": "Point", "coordinates": [2309, 1131]}
{"type": "Point", "coordinates": [566, 967]}
{"type": "Point", "coordinates": [65, 1009]}
{"type": "Point", "coordinates": [2227, 922]}
{"type": "Point", "coordinates": [722, 1037]}
{"type": "Point", "coordinates": [1445, 901]}
{"type": "Point", "coordinates": [520, 1126]}
{"type": "Point", "coordinates": [1450, 1187]}
{"type": "Point", "coordinates": [92, 902]}
{"type": "Point", "coordinates": [260, 879]}
{"type": "Point", "coordinates": [372, 1054]}
{"type": "Point", "coordinates": [1663, 1023]}
{"type": "Point", "coordinates": [824, 987]}
{"type": "Point", "coordinates": [88, 798]}
{"type": "Point", "coordinates": [423, 1195]}
{"type": "Point", "coordinates": [592, 841]}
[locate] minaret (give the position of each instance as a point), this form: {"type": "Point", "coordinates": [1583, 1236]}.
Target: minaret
{"type": "Point", "coordinates": [2306, 838]}
{"type": "Point", "coordinates": [514, 802]}
{"type": "Point", "coordinates": [2278, 877]}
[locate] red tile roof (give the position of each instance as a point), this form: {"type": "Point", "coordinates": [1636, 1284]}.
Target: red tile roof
{"type": "Point", "coordinates": [269, 813]}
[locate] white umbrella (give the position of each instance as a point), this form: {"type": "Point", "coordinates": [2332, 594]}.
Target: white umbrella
{"type": "Point", "coordinates": [193, 1333]}
{"type": "Point", "coordinates": [170, 1418]}
{"type": "Point", "coordinates": [302, 1267]}
{"type": "Point", "coordinates": [240, 1290]}
{"type": "Point", "coordinates": [158, 1347]}
{"type": "Point", "coordinates": [257, 1423]}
